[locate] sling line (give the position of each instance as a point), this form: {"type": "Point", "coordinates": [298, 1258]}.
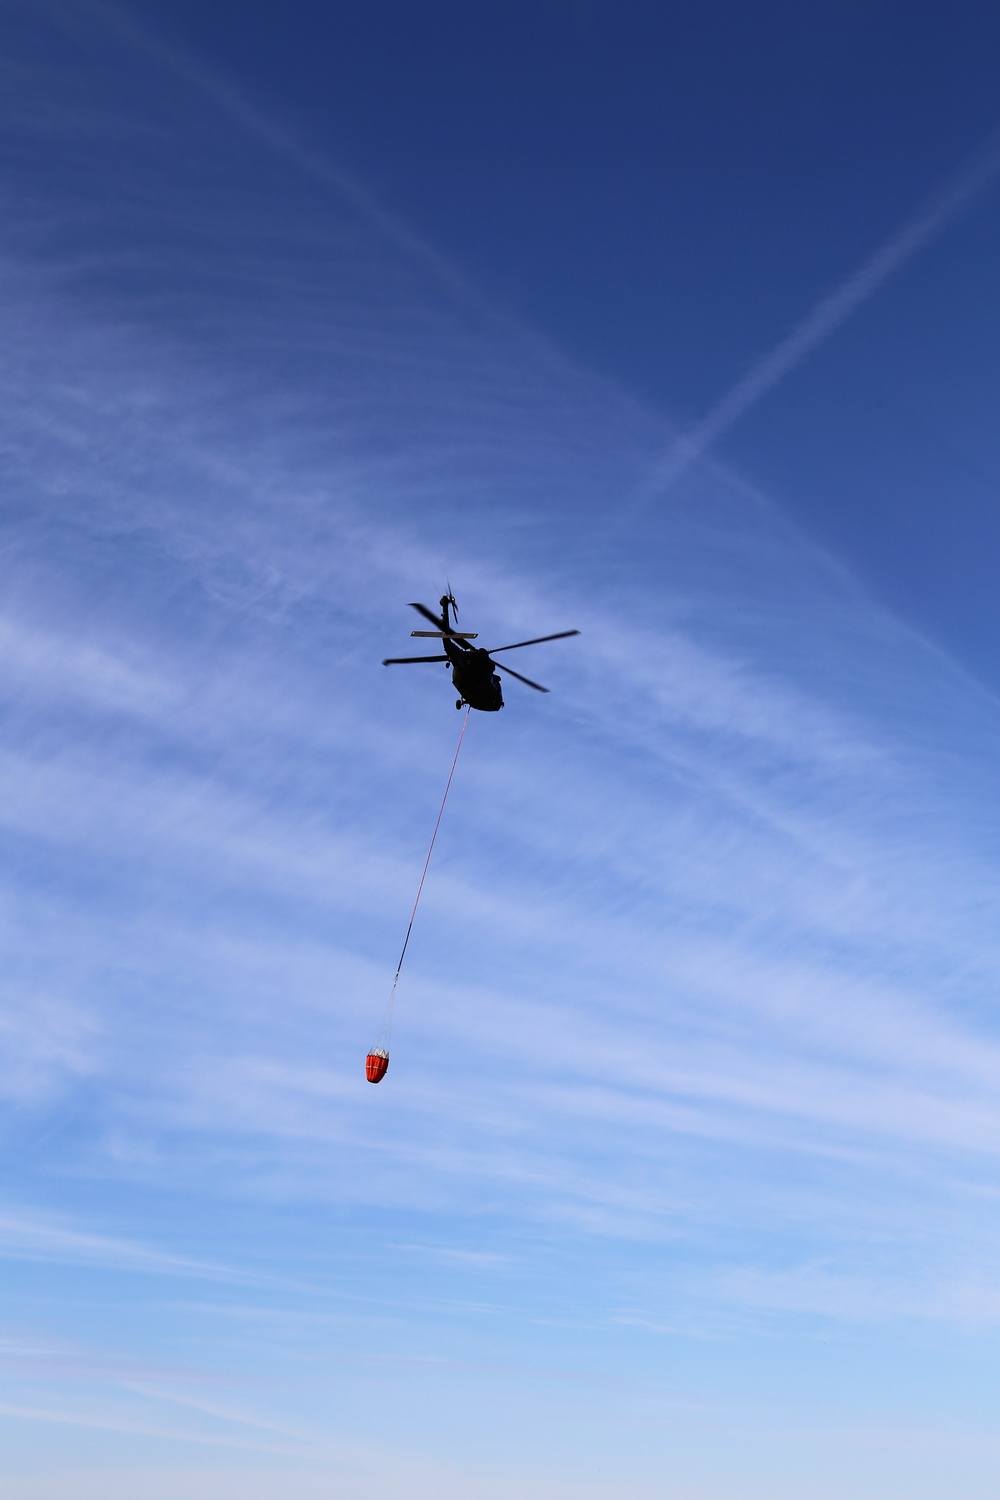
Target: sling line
{"type": "Point", "coordinates": [386, 1027]}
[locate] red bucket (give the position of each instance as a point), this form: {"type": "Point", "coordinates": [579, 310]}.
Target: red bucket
{"type": "Point", "coordinates": [376, 1065]}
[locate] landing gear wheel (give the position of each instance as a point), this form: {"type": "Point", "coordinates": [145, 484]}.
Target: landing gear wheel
{"type": "Point", "coordinates": [459, 702]}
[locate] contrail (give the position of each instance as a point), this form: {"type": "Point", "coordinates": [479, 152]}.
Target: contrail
{"type": "Point", "coordinates": [829, 313]}
{"type": "Point", "coordinates": [824, 319]}
{"type": "Point", "coordinates": [230, 102]}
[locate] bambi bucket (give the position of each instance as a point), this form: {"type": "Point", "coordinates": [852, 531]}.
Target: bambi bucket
{"type": "Point", "coordinates": [376, 1065]}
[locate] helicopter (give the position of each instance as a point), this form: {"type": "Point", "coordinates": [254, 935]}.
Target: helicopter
{"type": "Point", "coordinates": [474, 672]}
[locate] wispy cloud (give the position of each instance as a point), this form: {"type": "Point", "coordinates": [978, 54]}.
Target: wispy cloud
{"type": "Point", "coordinates": [33, 1236]}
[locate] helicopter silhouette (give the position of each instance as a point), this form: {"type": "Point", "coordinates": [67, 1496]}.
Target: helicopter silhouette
{"type": "Point", "coordinates": [474, 672]}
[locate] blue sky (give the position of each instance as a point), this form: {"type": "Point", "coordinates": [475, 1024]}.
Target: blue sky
{"type": "Point", "coordinates": [683, 1181]}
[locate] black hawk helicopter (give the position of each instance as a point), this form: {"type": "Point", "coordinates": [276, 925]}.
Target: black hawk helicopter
{"type": "Point", "coordinates": [474, 672]}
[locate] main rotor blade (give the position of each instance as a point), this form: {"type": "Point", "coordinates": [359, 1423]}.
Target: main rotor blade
{"type": "Point", "coordinates": [537, 685]}
{"type": "Point", "coordinates": [560, 635]}
{"type": "Point", "coordinates": [396, 661]}
{"type": "Point", "coordinates": [429, 615]}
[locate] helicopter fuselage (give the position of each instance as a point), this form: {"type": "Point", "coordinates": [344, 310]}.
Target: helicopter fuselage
{"type": "Point", "coordinates": [474, 677]}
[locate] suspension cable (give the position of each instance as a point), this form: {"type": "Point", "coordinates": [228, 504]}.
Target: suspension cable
{"type": "Point", "coordinates": [382, 1045]}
